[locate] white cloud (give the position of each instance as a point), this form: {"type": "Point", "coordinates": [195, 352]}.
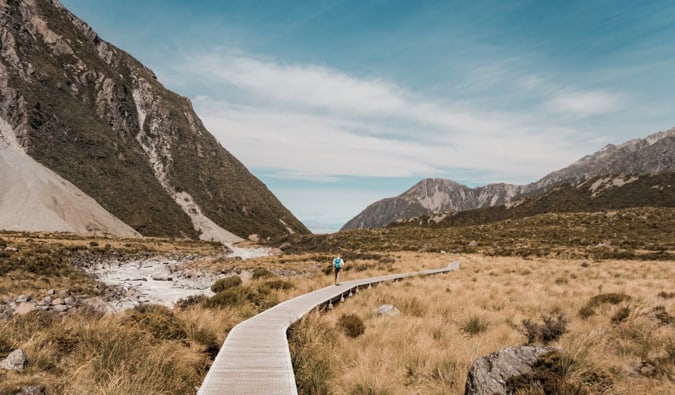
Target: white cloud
{"type": "Point", "coordinates": [308, 86]}
{"type": "Point", "coordinates": [583, 104]}
{"type": "Point", "coordinates": [317, 123]}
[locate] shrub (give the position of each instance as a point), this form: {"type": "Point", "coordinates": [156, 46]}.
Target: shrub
{"type": "Point", "coordinates": [662, 315]}
{"type": "Point", "coordinates": [549, 375]}
{"type": "Point", "coordinates": [551, 329]}
{"type": "Point", "coordinates": [621, 315]}
{"type": "Point", "coordinates": [351, 325]}
{"type": "Point", "coordinates": [262, 273]}
{"type": "Point", "coordinates": [666, 295]}
{"type": "Point", "coordinates": [159, 321]}
{"type": "Point", "coordinates": [225, 283]}
{"type": "Point", "coordinates": [228, 297]}
{"type": "Point", "coordinates": [609, 298]}
{"type": "Point", "coordinates": [586, 312]}
{"type": "Point", "coordinates": [267, 286]}
{"type": "Point", "coordinates": [191, 300]}
{"type": "Point", "coordinates": [475, 325]}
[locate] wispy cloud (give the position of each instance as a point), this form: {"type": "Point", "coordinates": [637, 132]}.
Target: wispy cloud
{"type": "Point", "coordinates": [583, 104]}
{"type": "Point", "coordinates": [310, 121]}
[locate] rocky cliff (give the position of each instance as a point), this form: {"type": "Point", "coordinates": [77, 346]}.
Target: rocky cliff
{"type": "Point", "coordinates": [100, 119]}
{"type": "Point", "coordinates": [651, 155]}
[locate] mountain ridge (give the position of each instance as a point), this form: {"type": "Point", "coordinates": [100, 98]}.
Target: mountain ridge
{"type": "Point", "coordinates": [652, 154]}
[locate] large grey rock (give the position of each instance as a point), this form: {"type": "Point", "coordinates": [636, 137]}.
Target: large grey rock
{"type": "Point", "coordinates": [488, 374]}
{"type": "Point", "coordinates": [16, 360]}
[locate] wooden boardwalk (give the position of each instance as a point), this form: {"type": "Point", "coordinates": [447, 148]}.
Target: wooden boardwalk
{"type": "Point", "coordinates": [255, 358]}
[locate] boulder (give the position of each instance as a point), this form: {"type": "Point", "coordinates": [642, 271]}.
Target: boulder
{"type": "Point", "coordinates": [488, 375]}
{"type": "Point", "coordinates": [16, 360]}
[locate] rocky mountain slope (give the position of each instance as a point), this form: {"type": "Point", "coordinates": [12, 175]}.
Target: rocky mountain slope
{"type": "Point", "coordinates": [100, 119]}
{"type": "Point", "coordinates": [599, 193]}
{"type": "Point", "coordinates": [41, 200]}
{"type": "Point", "coordinates": [654, 154]}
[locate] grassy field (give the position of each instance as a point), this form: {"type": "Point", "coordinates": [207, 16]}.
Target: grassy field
{"type": "Point", "coordinates": [611, 314]}
{"type": "Point", "coordinates": [448, 321]}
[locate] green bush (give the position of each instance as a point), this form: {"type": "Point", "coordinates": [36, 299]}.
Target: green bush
{"type": "Point", "coordinates": [351, 325]}
{"type": "Point", "coordinates": [225, 283]}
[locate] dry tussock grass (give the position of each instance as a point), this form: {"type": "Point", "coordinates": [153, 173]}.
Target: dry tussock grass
{"type": "Point", "coordinates": [446, 321]}
{"type": "Point", "coordinates": [427, 349]}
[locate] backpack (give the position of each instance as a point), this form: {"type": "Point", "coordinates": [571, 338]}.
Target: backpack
{"type": "Point", "coordinates": [337, 263]}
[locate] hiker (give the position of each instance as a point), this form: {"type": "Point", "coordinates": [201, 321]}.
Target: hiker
{"type": "Point", "coordinates": [338, 264]}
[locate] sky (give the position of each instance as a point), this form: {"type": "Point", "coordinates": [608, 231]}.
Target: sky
{"type": "Point", "coordinates": [337, 104]}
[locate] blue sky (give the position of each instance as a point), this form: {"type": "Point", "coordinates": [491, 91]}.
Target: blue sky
{"type": "Point", "coordinates": [337, 104]}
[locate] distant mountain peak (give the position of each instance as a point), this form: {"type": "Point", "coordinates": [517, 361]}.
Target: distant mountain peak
{"type": "Point", "coordinates": [653, 154]}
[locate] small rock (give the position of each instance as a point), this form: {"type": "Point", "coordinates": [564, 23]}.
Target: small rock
{"type": "Point", "coordinates": [60, 308]}
{"type": "Point", "coordinates": [644, 368]}
{"type": "Point", "coordinates": [51, 292]}
{"type": "Point", "coordinates": [254, 237]}
{"type": "Point", "coordinates": [22, 298]}
{"type": "Point", "coordinates": [387, 309]}
{"type": "Point", "coordinates": [275, 251]}
{"type": "Point", "coordinates": [285, 246]}
{"type": "Point", "coordinates": [161, 276]}
{"type": "Point", "coordinates": [24, 308]}
{"type": "Point", "coordinates": [16, 360]}
{"type": "Point", "coordinates": [47, 300]}
{"type": "Point", "coordinates": [35, 389]}
{"type": "Point", "coordinates": [58, 301]}
{"type": "Point", "coordinates": [473, 244]}
{"type": "Point", "coordinates": [70, 301]}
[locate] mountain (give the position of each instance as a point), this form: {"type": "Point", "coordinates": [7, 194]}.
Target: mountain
{"type": "Point", "coordinates": [599, 193]}
{"type": "Point", "coordinates": [99, 119]}
{"type": "Point", "coordinates": [653, 154]}
{"type": "Point", "coordinates": [41, 200]}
